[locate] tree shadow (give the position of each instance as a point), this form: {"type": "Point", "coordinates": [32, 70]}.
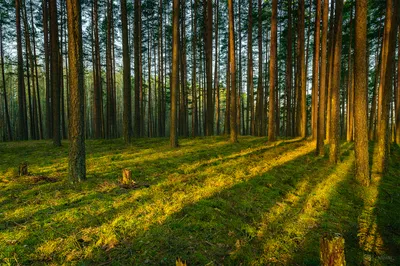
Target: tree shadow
{"type": "Point", "coordinates": [230, 226]}
{"type": "Point", "coordinates": [387, 213]}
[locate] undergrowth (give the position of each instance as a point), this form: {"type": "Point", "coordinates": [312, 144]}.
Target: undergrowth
{"type": "Point", "coordinates": [208, 202]}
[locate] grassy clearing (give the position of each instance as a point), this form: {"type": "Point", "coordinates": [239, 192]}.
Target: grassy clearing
{"type": "Point", "coordinates": [209, 202]}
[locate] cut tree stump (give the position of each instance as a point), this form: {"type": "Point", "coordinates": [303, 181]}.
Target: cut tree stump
{"type": "Point", "coordinates": [179, 262]}
{"type": "Point", "coordinates": [23, 169]}
{"type": "Point", "coordinates": [332, 250]}
{"type": "Point", "coordinates": [127, 178]}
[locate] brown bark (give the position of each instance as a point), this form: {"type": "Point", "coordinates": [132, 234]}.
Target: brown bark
{"type": "Point", "coordinates": [195, 120]}
{"type": "Point", "coordinates": [272, 73]}
{"type": "Point", "coordinates": [260, 90]}
{"type": "Point", "coordinates": [381, 152]}
{"type": "Point", "coordinates": [301, 75]}
{"type": "Point", "coordinates": [6, 110]}
{"type": "Point", "coordinates": [361, 93]}
{"type": "Point", "coordinates": [397, 96]}
{"type": "Point", "coordinates": [49, 117]}
{"type": "Point", "coordinates": [232, 73]}
{"type": "Point", "coordinates": [76, 162]}
{"type": "Point", "coordinates": [350, 87]}
{"type": "Point", "coordinates": [127, 115]}
{"type": "Point", "coordinates": [314, 106]}
{"type": "Point", "coordinates": [322, 84]}
{"type": "Point", "coordinates": [288, 79]}
{"type": "Point", "coordinates": [332, 250]}
{"type": "Point", "coordinates": [138, 76]}
{"type": "Point", "coordinates": [250, 85]}
{"type": "Point", "coordinates": [335, 112]}
{"type": "Point", "coordinates": [55, 77]}
{"type": "Point", "coordinates": [208, 50]}
{"type": "Point", "coordinates": [216, 70]}
{"type": "Point", "coordinates": [174, 75]}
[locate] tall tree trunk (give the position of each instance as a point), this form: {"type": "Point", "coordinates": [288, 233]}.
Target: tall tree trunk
{"type": "Point", "coordinates": [7, 114]}
{"type": "Point", "coordinates": [97, 91]}
{"type": "Point", "coordinates": [40, 124]}
{"type": "Point", "coordinates": [227, 128]}
{"type": "Point", "coordinates": [195, 121]}
{"type": "Point", "coordinates": [174, 78]}
{"type": "Point", "coordinates": [301, 75]}
{"type": "Point", "coordinates": [315, 76]}
{"type": "Point", "coordinates": [288, 81]}
{"type": "Point", "coordinates": [127, 116]}
{"type": "Point", "coordinates": [109, 70]}
{"type": "Point", "coordinates": [361, 93]}
{"type": "Point", "coordinates": [260, 89]}
{"type": "Point", "coordinates": [138, 76]}
{"type": "Point", "coordinates": [55, 69]}
{"type": "Point", "coordinates": [381, 152]}
{"type": "Point", "coordinates": [350, 87]}
{"type": "Point", "coordinates": [49, 117]}
{"type": "Point", "coordinates": [322, 84]}
{"type": "Point", "coordinates": [208, 50]}
{"type": "Point", "coordinates": [330, 70]}
{"type": "Point", "coordinates": [250, 86]}
{"type": "Point", "coordinates": [76, 162]}
{"type": "Point", "coordinates": [334, 135]}
{"type": "Point", "coordinates": [372, 117]}
{"type": "Point", "coordinates": [216, 81]}
{"type": "Point", "coordinates": [272, 73]}
{"type": "Point", "coordinates": [22, 116]}
{"type": "Point", "coordinates": [232, 73]}
{"type": "Point", "coordinates": [397, 95]}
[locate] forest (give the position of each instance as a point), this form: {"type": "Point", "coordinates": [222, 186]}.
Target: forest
{"type": "Point", "coordinates": [200, 132]}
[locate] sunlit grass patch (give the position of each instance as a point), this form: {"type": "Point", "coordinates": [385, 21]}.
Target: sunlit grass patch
{"type": "Point", "coordinates": [206, 202]}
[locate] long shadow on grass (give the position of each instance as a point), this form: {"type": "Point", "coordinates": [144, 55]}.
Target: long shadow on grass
{"type": "Point", "coordinates": [77, 215]}
{"type": "Point", "coordinates": [223, 228]}
{"type": "Point", "coordinates": [387, 212]}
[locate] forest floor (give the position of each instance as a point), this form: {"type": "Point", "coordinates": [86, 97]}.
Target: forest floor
{"type": "Point", "coordinates": [208, 202]}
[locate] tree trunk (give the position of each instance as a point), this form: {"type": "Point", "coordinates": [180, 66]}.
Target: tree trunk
{"type": "Point", "coordinates": [332, 250]}
{"type": "Point", "coordinates": [322, 84]}
{"type": "Point", "coordinates": [272, 73]}
{"type": "Point", "coordinates": [22, 117]}
{"type": "Point", "coordinates": [301, 75]}
{"type": "Point", "coordinates": [55, 78]}
{"type": "Point", "coordinates": [232, 73]}
{"type": "Point", "coordinates": [381, 152]}
{"type": "Point", "coordinates": [49, 117]}
{"type": "Point", "coordinates": [76, 162]}
{"type": "Point", "coordinates": [97, 91]}
{"type": "Point", "coordinates": [127, 116]}
{"type": "Point", "coordinates": [335, 112]}
{"type": "Point", "coordinates": [174, 77]}
{"type": "Point", "coordinates": [216, 69]}
{"type": "Point", "coordinates": [288, 80]}
{"type": "Point", "coordinates": [260, 90]}
{"type": "Point", "coordinates": [315, 76]}
{"type": "Point", "coordinates": [7, 114]}
{"type": "Point", "coordinates": [397, 95]}
{"type": "Point", "coordinates": [361, 93]}
{"type": "Point", "coordinates": [250, 86]}
{"type": "Point", "coordinates": [138, 76]}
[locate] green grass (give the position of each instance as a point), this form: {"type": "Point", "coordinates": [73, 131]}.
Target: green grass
{"type": "Point", "coordinates": [208, 202]}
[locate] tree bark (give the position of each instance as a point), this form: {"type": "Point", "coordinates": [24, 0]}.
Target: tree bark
{"type": "Point", "coordinates": [315, 76]}
{"type": "Point", "coordinates": [322, 84]}
{"type": "Point", "coordinates": [232, 73]}
{"type": "Point", "coordinates": [250, 85]}
{"type": "Point", "coordinates": [301, 96]}
{"type": "Point", "coordinates": [76, 162]}
{"type": "Point", "coordinates": [174, 76]}
{"type": "Point", "coordinates": [127, 115]}
{"type": "Point", "coordinates": [381, 151]}
{"type": "Point", "coordinates": [288, 79]}
{"type": "Point", "coordinates": [7, 114]}
{"type": "Point", "coordinates": [55, 69]}
{"type": "Point", "coordinates": [272, 73]}
{"type": "Point", "coordinates": [332, 250]}
{"type": "Point", "coordinates": [260, 89]}
{"type": "Point", "coordinates": [335, 112]}
{"type": "Point", "coordinates": [361, 93]}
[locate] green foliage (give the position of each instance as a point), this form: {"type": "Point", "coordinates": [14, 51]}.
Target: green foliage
{"type": "Point", "coordinates": [208, 202]}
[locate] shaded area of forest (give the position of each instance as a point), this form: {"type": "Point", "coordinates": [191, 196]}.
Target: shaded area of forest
{"type": "Point", "coordinates": [208, 202]}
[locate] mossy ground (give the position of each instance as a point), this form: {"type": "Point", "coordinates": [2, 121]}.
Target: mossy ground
{"type": "Point", "coordinates": [208, 202]}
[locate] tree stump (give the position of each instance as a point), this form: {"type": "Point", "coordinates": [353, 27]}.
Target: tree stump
{"type": "Point", "coordinates": [127, 178]}
{"type": "Point", "coordinates": [332, 250]}
{"type": "Point", "coordinates": [23, 169]}
{"type": "Point", "coordinates": [179, 262]}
